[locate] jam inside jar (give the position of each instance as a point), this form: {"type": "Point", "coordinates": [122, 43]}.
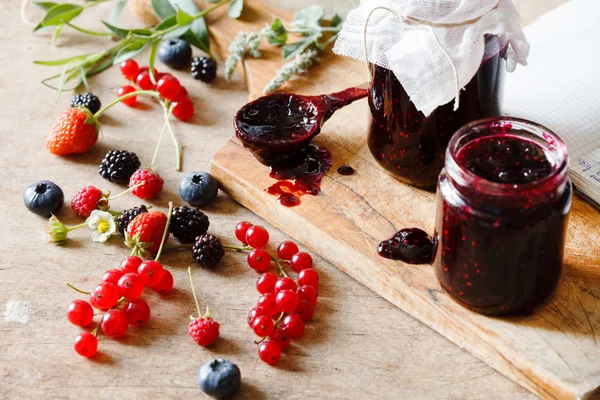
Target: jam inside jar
{"type": "Point", "coordinates": [412, 146]}
{"type": "Point", "coordinates": [502, 210]}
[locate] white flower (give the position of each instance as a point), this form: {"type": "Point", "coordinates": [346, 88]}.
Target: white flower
{"type": "Point", "coordinates": [103, 224]}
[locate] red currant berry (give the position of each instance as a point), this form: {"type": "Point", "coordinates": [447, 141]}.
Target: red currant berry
{"type": "Point", "coordinates": [285, 283]}
{"type": "Point", "coordinates": [287, 301]}
{"type": "Point", "coordinates": [263, 326]}
{"type": "Point", "coordinates": [137, 312]}
{"type": "Point", "coordinates": [183, 92]}
{"type": "Point", "coordinates": [126, 90]}
{"type": "Point", "coordinates": [282, 340]}
{"type": "Point", "coordinates": [305, 310]}
{"type": "Point", "coordinates": [144, 81]}
{"type": "Point", "coordinates": [92, 301]}
{"type": "Point", "coordinates": [114, 323]}
{"type": "Point", "coordinates": [286, 250]}
{"type": "Point", "coordinates": [255, 313]}
{"type": "Point", "coordinates": [241, 229]}
{"type": "Point", "coordinates": [112, 276]}
{"type": "Point", "coordinates": [106, 295]}
{"type": "Point", "coordinates": [268, 303]}
{"type": "Point", "coordinates": [308, 277]}
{"type": "Point", "coordinates": [130, 69]}
{"type": "Point", "coordinates": [146, 69]}
{"type": "Point", "coordinates": [301, 261]}
{"type": "Point", "coordinates": [86, 344]}
{"type": "Point", "coordinates": [165, 285]}
{"type": "Point", "coordinates": [308, 293]}
{"type": "Point", "coordinates": [130, 264]}
{"type": "Point", "coordinates": [269, 352]}
{"type": "Point", "coordinates": [183, 108]}
{"type": "Point", "coordinates": [131, 286]}
{"type": "Point", "coordinates": [293, 326]}
{"type": "Point", "coordinates": [152, 272]}
{"type": "Point", "coordinates": [259, 260]}
{"type": "Point", "coordinates": [168, 87]}
{"type": "Point", "coordinates": [80, 313]}
{"type": "Point", "coordinates": [257, 236]}
{"type": "Point", "coordinates": [266, 283]}
{"type": "Point", "coordinates": [204, 331]}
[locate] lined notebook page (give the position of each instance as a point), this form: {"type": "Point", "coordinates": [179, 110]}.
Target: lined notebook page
{"type": "Point", "coordinates": [560, 87]}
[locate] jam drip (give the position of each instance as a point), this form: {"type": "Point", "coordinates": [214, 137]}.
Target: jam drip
{"type": "Point", "coordinates": [411, 246]}
{"type": "Point", "coordinates": [300, 174]}
{"type": "Point", "coordinates": [345, 170]}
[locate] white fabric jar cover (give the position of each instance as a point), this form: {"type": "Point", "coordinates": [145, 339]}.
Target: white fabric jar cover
{"type": "Point", "coordinates": [403, 41]}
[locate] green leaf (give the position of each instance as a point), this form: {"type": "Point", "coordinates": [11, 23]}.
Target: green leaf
{"type": "Point", "coordinates": [336, 21]}
{"type": "Point", "coordinates": [183, 18]}
{"type": "Point", "coordinates": [175, 33]}
{"type": "Point", "coordinates": [142, 32]}
{"type": "Point", "coordinates": [194, 40]}
{"type": "Point", "coordinates": [152, 59]}
{"type": "Point", "coordinates": [198, 34]}
{"type": "Point", "coordinates": [130, 51]}
{"type": "Point", "coordinates": [235, 9]}
{"type": "Point", "coordinates": [100, 66]}
{"type": "Point", "coordinates": [278, 34]}
{"type": "Point", "coordinates": [120, 32]}
{"type": "Point", "coordinates": [62, 61]}
{"type": "Point", "coordinates": [56, 33]}
{"type": "Point", "coordinates": [292, 49]}
{"type": "Point", "coordinates": [309, 18]}
{"type": "Point", "coordinates": [116, 11]}
{"type": "Point", "coordinates": [61, 13]}
{"type": "Point", "coordinates": [163, 9]}
{"type": "Point", "coordinates": [45, 5]}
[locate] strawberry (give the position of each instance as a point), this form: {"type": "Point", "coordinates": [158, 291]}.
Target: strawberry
{"type": "Point", "coordinates": [75, 132]}
{"type": "Point", "coordinates": [145, 233]}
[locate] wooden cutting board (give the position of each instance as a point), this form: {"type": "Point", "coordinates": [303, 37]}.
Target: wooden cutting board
{"type": "Point", "coordinates": [553, 352]}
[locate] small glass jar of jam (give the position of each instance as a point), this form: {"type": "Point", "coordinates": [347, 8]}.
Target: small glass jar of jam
{"type": "Point", "coordinates": [412, 146]}
{"type": "Point", "coordinates": [502, 209]}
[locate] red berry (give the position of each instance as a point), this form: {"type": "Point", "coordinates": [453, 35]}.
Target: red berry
{"type": "Point", "coordinates": [308, 293]}
{"type": "Point", "coordinates": [266, 283]}
{"type": "Point", "coordinates": [241, 229]}
{"type": "Point", "coordinates": [257, 236]}
{"type": "Point", "coordinates": [86, 201]}
{"type": "Point", "coordinates": [268, 303]}
{"type": "Point", "coordinates": [305, 310]}
{"type": "Point", "coordinates": [112, 276]}
{"type": "Point", "coordinates": [152, 272]}
{"type": "Point", "coordinates": [255, 313]}
{"type": "Point", "coordinates": [259, 260]}
{"type": "Point", "coordinates": [137, 312]}
{"type": "Point", "coordinates": [106, 295]}
{"type": "Point", "coordinates": [131, 286]}
{"type": "Point", "coordinates": [168, 87]}
{"type": "Point", "coordinates": [130, 101]}
{"type": "Point", "coordinates": [183, 108]}
{"type": "Point", "coordinates": [92, 301]}
{"type": "Point", "coordinates": [183, 92]}
{"type": "Point", "coordinates": [86, 344]}
{"type": "Point", "coordinates": [269, 352]}
{"type": "Point", "coordinates": [165, 285]}
{"type": "Point", "coordinates": [114, 323]}
{"type": "Point", "coordinates": [73, 133]}
{"type": "Point", "coordinates": [146, 68]}
{"type": "Point", "coordinates": [130, 264]}
{"type": "Point", "coordinates": [285, 283]}
{"type": "Point", "coordinates": [301, 261]}
{"type": "Point", "coordinates": [308, 277]}
{"type": "Point", "coordinates": [263, 326]}
{"type": "Point", "coordinates": [130, 69]}
{"type": "Point", "coordinates": [287, 301]}
{"type": "Point", "coordinates": [153, 184]}
{"type": "Point", "coordinates": [282, 340]}
{"type": "Point", "coordinates": [144, 81]}
{"type": "Point", "coordinates": [293, 326]}
{"type": "Point", "coordinates": [286, 250]}
{"type": "Point", "coordinates": [80, 313]}
{"type": "Point", "coordinates": [204, 331]}
{"type": "Point", "coordinates": [150, 227]}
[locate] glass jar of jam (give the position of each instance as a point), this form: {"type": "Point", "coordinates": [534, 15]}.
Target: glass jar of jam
{"type": "Point", "coordinates": [502, 209]}
{"type": "Point", "coordinates": [412, 146]}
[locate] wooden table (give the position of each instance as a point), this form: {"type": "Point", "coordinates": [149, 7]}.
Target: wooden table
{"type": "Point", "coordinates": [358, 346]}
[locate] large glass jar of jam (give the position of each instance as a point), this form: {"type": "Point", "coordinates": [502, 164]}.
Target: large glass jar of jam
{"type": "Point", "coordinates": [502, 208]}
{"type": "Point", "coordinates": [412, 146]}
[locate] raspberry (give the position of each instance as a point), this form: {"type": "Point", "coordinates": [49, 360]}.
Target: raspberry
{"type": "Point", "coordinates": [87, 100]}
{"type": "Point", "coordinates": [145, 232]}
{"type": "Point", "coordinates": [118, 166]}
{"type": "Point", "coordinates": [127, 216]}
{"type": "Point", "coordinates": [204, 69]}
{"type": "Point", "coordinates": [204, 331]}
{"type": "Point", "coordinates": [87, 200]}
{"type": "Point", "coordinates": [151, 188]}
{"type": "Point", "coordinates": [208, 251]}
{"type": "Point", "coordinates": [188, 223]}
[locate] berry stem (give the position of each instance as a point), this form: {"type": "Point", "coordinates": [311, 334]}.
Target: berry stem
{"type": "Point", "coordinates": [194, 292]}
{"type": "Point", "coordinates": [78, 290]}
{"type": "Point", "coordinates": [278, 320]}
{"type": "Point", "coordinates": [151, 93]}
{"type": "Point", "coordinates": [279, 266]}
{"type": "Point", "coordinates": [168, 111]}
{"type": "Point", "coordinates": [95, 331]}
{"type": "Point", "coordinates": [126, 191]}
{"type": "Point", "coordinates": [72, 228]}
{"type": "Point", "coordinates": [160, 138]}
{"type": "Point", "coordinates": [237, 248]}
{"type": "Point", "coordinates": [165, 233]}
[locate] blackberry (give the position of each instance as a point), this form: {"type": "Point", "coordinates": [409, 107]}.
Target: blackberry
{"type": "Point", "coordinates": [118, 166]}
{"type": "Point", "coordinates": [208, 251]}
{"type": "Point", "coordinates": [127, 216]}
{"type": "Point", "coordinates": [204, 69]}
{"type": "Point", "coordinates": [187, 223]}
{"type": "Point", "coordinates": [87, 100]}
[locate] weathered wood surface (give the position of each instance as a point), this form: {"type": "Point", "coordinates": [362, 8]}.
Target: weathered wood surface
{"type": "Point", "coordinates": [553, 352]}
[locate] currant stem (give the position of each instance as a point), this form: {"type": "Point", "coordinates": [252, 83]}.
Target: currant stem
{"type": "Point", "coordinates": [126, 191]}
{"type": "Point", "coordinates": [160, 138]}
{"type": "Point", "coordinates": [78, 290]}
{"type": "Point", "coordinates": [168, 111]}
{"type": "Point", "coordinates": [279, 320]}
{"type": "Point", "coordinates": [151, 93]}
{"type": "Point", "coordinates": [95, 331]}
{"type": "Point", "coordinates": [165, 233]}
{"type": "Point", "coordinates": [194, 292]}
{"type": "Point", "coordinates": [237, 248]}
{"type": "Point", "coordinates": [279, 266]}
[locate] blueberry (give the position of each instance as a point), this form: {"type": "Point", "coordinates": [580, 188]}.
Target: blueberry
{"type": "Point", "coordinates": [43, 198]}
{"type": "Point", "coordinates": [198, 188]}
{"type": "Point", "coordinates": [175, 53]}
{"type": "Point", "coordinates": [219, 378]}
